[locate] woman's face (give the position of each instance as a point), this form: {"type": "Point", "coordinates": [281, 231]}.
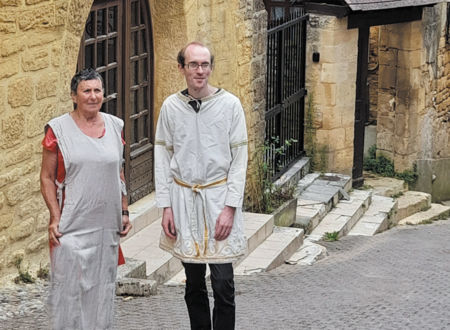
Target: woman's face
{"type": "Point", "coordinates": [89, 96]}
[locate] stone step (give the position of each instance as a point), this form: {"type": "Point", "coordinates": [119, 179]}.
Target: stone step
{"type": "Point", "coordinates": [309, 214]}
{"type": "Point", "coordinates": [317, 194]}
{"type": "Point", "coordinates": [344, 216]}
{"type": "Point", "coordinates": [144, 246]}
{"type": "Point", "coordinates": [308, 254]}
{"type": "Point", "coordinates": [273, 252]}
{"type": "Point", "coordinates": [379, 216]}
{"type": "Point", "coordinates": [412, 202]}
{"type": "Point", "coordinates": [142, 213]}
{"type": "Point", "coordinates": [385, 186]}
{"type": "Point", "coordinates": [436, 211]}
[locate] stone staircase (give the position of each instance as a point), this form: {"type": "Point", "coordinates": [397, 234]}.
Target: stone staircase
{"type": "Point", "coordinates": [325, 204]}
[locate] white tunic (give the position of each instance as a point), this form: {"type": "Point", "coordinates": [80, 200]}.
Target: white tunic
{"type": "Point", "coordinates": [84, 266]}
{"type": "Point", "coordinates": [201, 148]}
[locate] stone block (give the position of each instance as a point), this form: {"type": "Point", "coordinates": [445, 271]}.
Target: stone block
{"type": "Point", "coordinates": [18, 192]}
{"type": "Point", "coordinates": [23, 229]}
{"type": "Point", "coordinates": [12, 130]}
{"type": "Point", "coordinates": [7, 23]}
{"type": "Point", "coordinates": [326, 93]}
{"type": "Point", "coordinates": [346, 93]}
{"type": "Point", "coordinates": [2, 200]}
{"type": "Point", "coordinates": [3, 242]}
{"type": "Point", "coordinates": [39, 16]}
{"type": "Point", "coordinates": [33, 2]}
{"type": "Point", "coordinates": [410, 58]}
{"type": "Point", "coordinates": [12, 3]}
{"type": "Point", "coordinates": [337, 138]}
{"type": "Point", "coordinates": [136, 287]}
{"type": "Point", "coordinates": [20, 92]}
{"type": "Point", "coordinates": [10, 177]}
{"type": "Point", "coordinates": [37, 244]}
{"type": "Point", "coordinates": [42, 221]}
{"type": "Point", "coordinates": [9, 67]}
{"type": "Point", "coordinates": [22, 153]}
{"type": "Point", "coordinates": [12, 46]}
{"type": "Point", "coordinates": [32, 206]}
{"type": "Point", "coordinates": [35, 60]}
{"type": "Point", "coordinates": [37, 118]}
{"type": "Point", "coordinates": [61, 8]}
{"type": "Point", "coordinates": [3, 98]}
{"type": "Point", "coordinates": [387, 77]}
{"type": "Point", "coordinates": [14, 256]}
{"type": "Point", "coordinates": [6, 220]}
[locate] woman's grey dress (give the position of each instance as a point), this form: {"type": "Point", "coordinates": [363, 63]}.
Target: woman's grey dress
{"type": "Point", "coordinates": [84, 266]}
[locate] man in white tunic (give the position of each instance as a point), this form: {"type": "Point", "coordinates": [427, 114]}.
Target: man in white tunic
{"type": "Point", "coordinates": [200, 168]}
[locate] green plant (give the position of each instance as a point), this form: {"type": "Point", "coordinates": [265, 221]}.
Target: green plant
{"type": "Point", "coordinates": [24, 276]}
{"type": "Point", "coordinates": [264, 197]}
{"type": "Point", "coordinates": [397, 195]}
{"type": "Point", "coordinates": [385, 167]}
{"type": "Point", "coordinates": [43, 272]}
{"type": "Point", "coordinates": [331, 237]}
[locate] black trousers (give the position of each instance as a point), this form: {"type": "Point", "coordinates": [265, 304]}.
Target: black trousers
{"type": "Point", "coordinates": [196, 296]}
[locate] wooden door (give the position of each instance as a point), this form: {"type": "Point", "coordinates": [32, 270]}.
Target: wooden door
{"type": "Point", "coordinates": [117, 42]}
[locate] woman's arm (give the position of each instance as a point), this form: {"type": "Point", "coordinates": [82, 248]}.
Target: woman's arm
{"type": "Point", "coordinates": [126, 224]}
{"type": "Point", "coordinates": [48, 190]}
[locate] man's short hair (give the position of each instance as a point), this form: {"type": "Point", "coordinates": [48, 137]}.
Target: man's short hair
{"type": "Point", "coordinates": [85, 74]}
{"type": "Point", "coordinates": [181, 54]}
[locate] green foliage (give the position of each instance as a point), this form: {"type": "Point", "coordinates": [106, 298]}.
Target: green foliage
{"type": "Point", "coordinates": [24, 276]}
{"type": "Point", "coordinates": [331, 237]}
{"type": "Point", "coordinates": [43, 272]}
{"type": "Point", "coordinates": [385, 167]}
{"type": "Point", "coordinates": [264, 196]}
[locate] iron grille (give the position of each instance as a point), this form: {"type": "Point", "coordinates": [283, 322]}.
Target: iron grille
{"type": "Point", "coordinates": [285, 92]}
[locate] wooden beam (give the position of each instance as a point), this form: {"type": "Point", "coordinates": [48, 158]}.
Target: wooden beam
{"type": "Point", "coordinates": [383, 17]}
{"type": "Point", "coordinates": [326, 9]}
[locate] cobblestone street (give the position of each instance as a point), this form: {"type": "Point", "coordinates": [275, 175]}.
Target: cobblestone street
{"type": "Point", "coordinates": [395, 280]}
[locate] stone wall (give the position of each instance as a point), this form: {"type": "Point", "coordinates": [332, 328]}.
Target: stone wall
{"type": "Point", "coordinates": [39, 44]}
{"type": "Point", "coordinates": [372, 76]}
{"type": "Point", "coordinates": [332, 82]}
{"type": "Point", "coordinates": [413, 99]}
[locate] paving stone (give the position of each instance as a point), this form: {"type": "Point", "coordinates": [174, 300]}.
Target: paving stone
{"type": "Point", "coordinates": [394, 280]}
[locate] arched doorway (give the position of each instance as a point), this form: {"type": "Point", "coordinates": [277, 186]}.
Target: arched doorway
{"type": "Point", "coordinates": [117, 42]}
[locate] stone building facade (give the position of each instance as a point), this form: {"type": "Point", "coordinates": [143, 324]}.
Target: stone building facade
{"type": "Point", "coordinates": [408, 95]}
{"type": "Point", "coordinates": [39, 46]}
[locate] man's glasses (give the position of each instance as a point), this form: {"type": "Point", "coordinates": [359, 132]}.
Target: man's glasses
{"type": "Point", "coordinates": [195, 65]}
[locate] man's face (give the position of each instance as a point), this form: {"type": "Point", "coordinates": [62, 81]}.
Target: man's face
{"type": "Point", "coordinates": [196, 79]}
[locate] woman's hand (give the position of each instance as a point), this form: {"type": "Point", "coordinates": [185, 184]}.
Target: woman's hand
{"type": "Point", "coordinates": [126, 225]}
{"type": "Point", "coordinates": [53, 232]}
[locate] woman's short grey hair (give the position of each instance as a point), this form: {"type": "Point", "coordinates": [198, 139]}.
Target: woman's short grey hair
{"type": "Point", "coordinates": [85, 74]}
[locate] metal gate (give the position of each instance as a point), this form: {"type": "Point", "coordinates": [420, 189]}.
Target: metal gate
{"type": "Point", "coordinates": [117, 43]}
{"type": "Point", "coordinates": [285, 95]}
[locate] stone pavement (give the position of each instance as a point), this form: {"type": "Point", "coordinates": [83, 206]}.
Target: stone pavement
{"type": "Point", "coordinates": [398, 279]}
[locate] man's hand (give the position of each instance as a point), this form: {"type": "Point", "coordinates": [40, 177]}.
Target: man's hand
{"type": "Point", "coordinates": [224, 223]}
{"type": "Point", "coordinates": [126, 225]}
{"type": "Point", "coordinates": [53, 232]}
{"type": "Point", "coordinates": [168, 224]}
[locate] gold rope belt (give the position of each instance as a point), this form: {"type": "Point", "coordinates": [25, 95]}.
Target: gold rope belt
{"type": "Point", "coordinates": [197, 187]}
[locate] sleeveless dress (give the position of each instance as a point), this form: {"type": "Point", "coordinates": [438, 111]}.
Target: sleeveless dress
{"type": "Point", "coordinates": [84, 266]}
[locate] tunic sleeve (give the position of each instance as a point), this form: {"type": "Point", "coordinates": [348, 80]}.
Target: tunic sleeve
{"type": "Point", "coordinates": [163, 156]}
{"type": "Point", "coordinates": [238, 168]}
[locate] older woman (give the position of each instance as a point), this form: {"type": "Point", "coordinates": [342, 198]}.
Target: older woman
{"type": "Point", "coordinates": [83, 186]}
